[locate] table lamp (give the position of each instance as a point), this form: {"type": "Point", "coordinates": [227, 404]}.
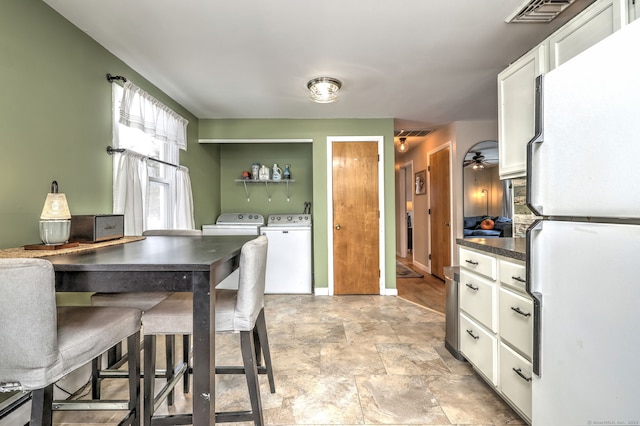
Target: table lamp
{"type": "Point", "coordinates": [55, 220]}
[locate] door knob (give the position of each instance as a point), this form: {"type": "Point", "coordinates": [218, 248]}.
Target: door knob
{"type": "Point", "coordinates": [338, 227]}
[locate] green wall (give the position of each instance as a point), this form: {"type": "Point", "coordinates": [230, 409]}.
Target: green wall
{"type": "Point", "coordinates": [318, 131]}
{"type": "Point", "coordinates": [55, 122]}
{"type": "Point", "coordinates": [238, 157]}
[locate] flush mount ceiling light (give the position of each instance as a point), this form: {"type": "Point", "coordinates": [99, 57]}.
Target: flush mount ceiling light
{"type": "Point", "coordinates": [324, 90]}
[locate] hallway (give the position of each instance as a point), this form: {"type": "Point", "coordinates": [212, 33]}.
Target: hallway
{"type": "Point", "coordinates": [428, 291]}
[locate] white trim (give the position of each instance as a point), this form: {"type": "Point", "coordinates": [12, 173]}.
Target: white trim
{"type": "Point", "coordinates": [381, 241]}
{"type": "Point", "coordinates": [321, 291]}
{"type": "Point", "coordinates": [255, 140]}
{"type": "Point", "coordinates": [390, 292]}
{"type": "Point", "coordinates": [451, 239]}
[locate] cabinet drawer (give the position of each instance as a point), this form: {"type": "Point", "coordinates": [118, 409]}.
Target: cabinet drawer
{"type": "Point", "coordinates": [479, 347]}
{"type": "Point", "coordinates": [478, 298]}
{"type": "Point", "coordinates": [515, 379]}
{"type": "Point", "coordinates": [479, 263]}
{"type": "Point", "coordinates": [513, 275]}
{"type": "Point", "coordinates": [516, 320]}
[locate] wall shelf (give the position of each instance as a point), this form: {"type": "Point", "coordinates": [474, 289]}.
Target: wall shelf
{"type": "Point", "coordinates": [266, 185]}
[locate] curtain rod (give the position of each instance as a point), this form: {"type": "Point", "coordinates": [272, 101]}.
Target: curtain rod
{"type": "Point", "coordinates": [111, 151]}
{"type": "Point", "coordinates": [112, 78]}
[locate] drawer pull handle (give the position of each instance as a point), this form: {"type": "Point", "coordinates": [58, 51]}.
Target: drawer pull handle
{"type": "Point", "coordinates": [472, 262]}
{"type": "Point", "coordinates": [472, 287]}
{"type": "Point", "coordinates": [519, 373]}
{"type": "Point", "coordinates": [518, 311]}
{"type": "Point", "coordinates": [518, 279]}
{"type": "Point", "coordinates": [473, 335]}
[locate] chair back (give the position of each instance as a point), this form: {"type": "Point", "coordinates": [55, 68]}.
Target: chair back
{"type": "Point", "coordinates": [253, 263]}
{"type": "Point", "coordinates": [28, 335]}
{"type": "Point", "coordinates": [174, 232]}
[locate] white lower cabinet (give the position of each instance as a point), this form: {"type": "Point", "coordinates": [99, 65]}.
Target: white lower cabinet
{"type": "Point", "coordinates": [479, 347]}
{"type": "Point", "coordinates": [496, 325]}
{"type": "Point", "coordinates": [515, 379]}
{"type": "Point", "coordinates": [516, 321]}
{"type": "Point", "coordinates": [478, 298]}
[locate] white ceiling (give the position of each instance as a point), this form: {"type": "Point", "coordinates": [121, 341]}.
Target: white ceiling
{"type": "Point", "coordinates": [424, 63]}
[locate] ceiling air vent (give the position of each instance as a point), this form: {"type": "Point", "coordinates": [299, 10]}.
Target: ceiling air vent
{"type": "Point", "coordinates": [538, 11]}
{"type": "Point", "coordinates": [411, 133]}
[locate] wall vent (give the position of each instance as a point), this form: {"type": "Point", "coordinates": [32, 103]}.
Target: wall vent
{"type": "Point", "coordinates": [411, 133]}
{"type": "Point", "coordinates": [538, 11]}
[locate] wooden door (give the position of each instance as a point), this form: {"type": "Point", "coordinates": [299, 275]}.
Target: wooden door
{"type": "Point", "coordinates": [440, 207]}
{"type": "Point", "coordinates": [356, 229]}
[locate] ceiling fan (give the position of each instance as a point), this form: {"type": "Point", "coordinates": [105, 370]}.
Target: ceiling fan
{"type": "Point", "coordinates": [478, 161]}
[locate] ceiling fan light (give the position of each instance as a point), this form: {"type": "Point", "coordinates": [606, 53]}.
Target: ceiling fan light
{"type": "Point", "coordinates": [324, 90]}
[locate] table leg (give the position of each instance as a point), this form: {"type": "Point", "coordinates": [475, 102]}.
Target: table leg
{"type": "Point", "coordinates": [203, 349]}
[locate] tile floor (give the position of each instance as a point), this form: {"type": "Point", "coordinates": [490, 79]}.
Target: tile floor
{"type": "Point", "coordinates": [349, 360]}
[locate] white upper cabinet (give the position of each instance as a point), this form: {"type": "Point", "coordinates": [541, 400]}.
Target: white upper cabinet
{"type": "Point", "coordinates": [634, 10]}
{"type": "Point", "coordinates": [600, 20]}
{"type": "Point", "coordinates": [516, 84]}
{"type": "Point", "coordinates": [516, 111]}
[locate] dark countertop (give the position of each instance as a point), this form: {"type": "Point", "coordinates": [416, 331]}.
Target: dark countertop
{"type": "Point", "coordinates": [513, 248]}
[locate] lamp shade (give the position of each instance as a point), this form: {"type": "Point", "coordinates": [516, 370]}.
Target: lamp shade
{"type": "Point", "coordinates": [55, 207]}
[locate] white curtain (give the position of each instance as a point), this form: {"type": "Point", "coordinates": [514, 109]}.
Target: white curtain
{"type": "Point", "coordinates": [184, 200]}
{"type": "Point", "coordinates": [130, 191]}
{"type": "Point", "coordinates": [142, 111]}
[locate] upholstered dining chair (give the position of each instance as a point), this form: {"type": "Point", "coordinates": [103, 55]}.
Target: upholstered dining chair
{"type": "Point", "coordinates": [235, 311]}
{"type": "Point", "coordinates": [143, 301]}
{"type": "Point", "coordinates": [41, 343]}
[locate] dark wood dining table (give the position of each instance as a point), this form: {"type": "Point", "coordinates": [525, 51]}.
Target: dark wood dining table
{"type": "Point", "coordinates": [161, 264]}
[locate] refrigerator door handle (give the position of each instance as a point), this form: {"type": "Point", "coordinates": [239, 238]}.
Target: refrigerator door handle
{"type": "Point", "coordinates": [535, 227]}
{"type": "Point", "coordinates": [537, 138]}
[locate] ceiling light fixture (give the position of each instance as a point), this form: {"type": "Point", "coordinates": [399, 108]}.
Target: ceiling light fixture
{"type": "Point", "coordinates": [324, 90]}
{"type": "Point", "coordinates": [404, 145]}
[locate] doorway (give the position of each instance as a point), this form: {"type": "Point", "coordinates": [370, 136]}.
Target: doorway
{"type": "Point", "coordinates": [404, 191]}
{"type": "Point", "coordinates": [439, 167]}
{"type": "Point", "coordinates": [356, 237]}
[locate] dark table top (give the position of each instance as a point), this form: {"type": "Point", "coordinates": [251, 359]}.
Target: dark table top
{"type": "Point", "coordinates": [166, 253]}
{"type": "Point", "coordinates": [157, 263]}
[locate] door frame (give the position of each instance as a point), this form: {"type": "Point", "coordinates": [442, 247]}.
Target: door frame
{"type": "Point", "coordinates": [451, 212]}
{"type": "Point", "coordinates": [381, 240]}
{"type": "Point", "coordinates": [404, 171]}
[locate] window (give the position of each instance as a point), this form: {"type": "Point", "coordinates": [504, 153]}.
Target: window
{"type": "Point", "coordinates": [158, 187]}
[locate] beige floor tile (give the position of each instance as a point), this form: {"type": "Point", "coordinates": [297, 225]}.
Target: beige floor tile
{"type": "Point", "coordinates": [320, 400]}
{"type": "Point", "coordinates": [469, 400]}
{"type": "Point", "coordinates": [370, 332]}
{"type": "Point", "coordinates": [394, 399]}
{"type": "Point", "coordinates": [412, 359]}
{"type": "Point", "coordinates": [346, 360]}
{"type": "Point", "coordinates": [340, 359]}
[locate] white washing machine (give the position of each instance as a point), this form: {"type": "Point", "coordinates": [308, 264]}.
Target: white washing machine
{"type": "Point", "coordinates": [234, 224]}
{"type": "Point", "coordinates": [289, 254]}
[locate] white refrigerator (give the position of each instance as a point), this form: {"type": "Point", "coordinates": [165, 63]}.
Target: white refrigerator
{"type": "Point", "coordinates": [583, 256]}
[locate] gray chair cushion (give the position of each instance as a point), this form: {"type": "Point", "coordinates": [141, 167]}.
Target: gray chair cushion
{"type": "Point", "coordinates": [40, 344]}
{"type": "Point", "coordinates": [235, 310]}
{"type": "Point", "coordinates": [174, 315]}
{"type": "Point", "coordinates": [174, 232]}
{"type": "Point", "coordinates": [142, 301]}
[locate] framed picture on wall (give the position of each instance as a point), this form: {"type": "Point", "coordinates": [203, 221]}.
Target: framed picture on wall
{"type": "Point", "coordinates": [421, 182]}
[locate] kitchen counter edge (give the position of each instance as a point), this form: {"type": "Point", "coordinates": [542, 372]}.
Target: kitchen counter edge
{"type": "Point", "coordinates": [514, 248]}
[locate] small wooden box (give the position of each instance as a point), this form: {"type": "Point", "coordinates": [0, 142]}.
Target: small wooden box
{"type": "Point", "coordinates": [93, 228]}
